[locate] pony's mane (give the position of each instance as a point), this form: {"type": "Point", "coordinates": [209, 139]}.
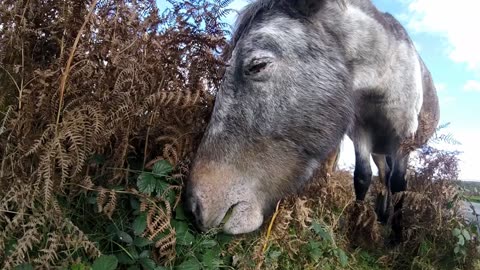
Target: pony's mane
{"type": "Point", "coordinates": [248, 15]}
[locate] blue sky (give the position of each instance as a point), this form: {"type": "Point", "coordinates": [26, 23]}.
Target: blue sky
{"type": "Point", "coordinates": [447, 36]}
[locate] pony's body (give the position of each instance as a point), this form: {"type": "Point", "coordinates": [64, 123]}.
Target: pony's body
{"type": "Point", "coordinates": [303, 73]}
{"type": "Point", "coordinates": [389, 80]}
{"type": "Point", "coordinates": [385, 69]}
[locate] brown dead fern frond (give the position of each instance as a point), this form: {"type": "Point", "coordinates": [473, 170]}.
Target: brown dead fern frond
{"type": "Point", "coordinates": [101, 199]}
{"type": "Point", "coordinates": [49, 255]}
{"type": "Point", "coordinates": [106, 199]}
{"type": "Point", "coordinates": [111, 205]}
{"type": "Point", "coordinates": [303, 213]}
{"type": "Point", "coordinates": [76, 86]}
{"type": "Point", "coordinates": [361, 226]}
{"type": "Point", "coordinates": [46, 172]}
{"type": "Point", "coordinates": [283, 221]}
{"type": "Point", "coordinates": [166, 247]}
{"type": "Point", "coordinates": [158, 224]}
{"type": "Point", "coordinates": [40, 142]}
{"type": "Point", "coordinates": [30, 238]}
{"type": "Point", "coordinates": [77, 240]}
{"type": "Point", "coordinates": [87, 183]}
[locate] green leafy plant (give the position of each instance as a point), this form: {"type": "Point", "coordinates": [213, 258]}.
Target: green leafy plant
{"type": "Point", "coordinates": [105, 262]}
{"type": "Point", "coordinates": [326, 247]}
{"type": "Point", "coordinates": [463, 236]}
{"type": "Point", "coordinates": [156, 182]}
{"type": "Point", "coordinates": [124, 235]}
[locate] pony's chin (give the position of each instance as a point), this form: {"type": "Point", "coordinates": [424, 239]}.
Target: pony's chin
{"type": "Point", "coordinates": [245, 217]}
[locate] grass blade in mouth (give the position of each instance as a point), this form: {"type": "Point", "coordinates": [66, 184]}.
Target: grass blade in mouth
{"type": "Point", "coordinates": [227, 215]}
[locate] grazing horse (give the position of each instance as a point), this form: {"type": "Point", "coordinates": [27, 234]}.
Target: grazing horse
{"type": "Point", "coordinates": [301, 74]}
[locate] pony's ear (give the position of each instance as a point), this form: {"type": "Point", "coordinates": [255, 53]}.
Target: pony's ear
{"type": "Point", "coordinates": [307, 7]}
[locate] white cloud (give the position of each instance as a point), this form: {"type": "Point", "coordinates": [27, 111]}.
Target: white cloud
{"type": "Point", "coordinates": [456, 21]}
{"type": "Point", "coordinates": [472, 85]}
{"type": "Point", "coordinates": [445, 97]}
{"type": "Point", "coordinates": [469, 157]}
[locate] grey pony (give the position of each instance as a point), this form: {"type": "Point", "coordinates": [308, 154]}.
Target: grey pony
{"type": "Point", "coordinates": [301, 74]}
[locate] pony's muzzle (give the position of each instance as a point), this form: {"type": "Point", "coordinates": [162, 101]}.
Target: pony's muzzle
{"type": "Point", "coordinates": [206, 214]}
{"type": "Point", "coordinates": [234, 217]}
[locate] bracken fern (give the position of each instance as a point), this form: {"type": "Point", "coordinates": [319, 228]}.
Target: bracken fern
{"type": "Point", "coordinates": [80, 79]}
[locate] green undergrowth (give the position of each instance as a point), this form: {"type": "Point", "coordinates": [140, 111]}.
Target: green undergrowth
{"type": "Point", "coordinates": [317, 243]}
{"type": "Point", "coordinates": [120, 238]}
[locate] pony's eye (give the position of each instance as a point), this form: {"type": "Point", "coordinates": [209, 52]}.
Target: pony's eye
{"type": "Point", "coordinates": [256, 65]}
{"type": "Point", "coordinates": [256, 68]}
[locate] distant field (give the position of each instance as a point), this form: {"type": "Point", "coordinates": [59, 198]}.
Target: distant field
{"type": "Point", "coordinates": [474, 198]}
{"type": "Point", "coordinates": [472, 190]}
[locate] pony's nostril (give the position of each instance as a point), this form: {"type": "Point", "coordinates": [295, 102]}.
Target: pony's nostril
{"type": "Point", "coordinates": [195, 208]}
{"type": "Point", "coordinates": [197, 213]}
{"type": "Point", "coordinates": [191, 205]}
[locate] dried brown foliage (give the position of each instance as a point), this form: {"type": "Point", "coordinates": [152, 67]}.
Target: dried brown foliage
{"type": "Point", "coordinates": [324, 200]}
{"type": "Point", "coordinates": [430, 212]}
{"type": "Point", "coordinates": [361, 226]}
{"type": "Point", "coordinates": [158, 224]}
{"type": "Point", "coordinates": [81, 79]}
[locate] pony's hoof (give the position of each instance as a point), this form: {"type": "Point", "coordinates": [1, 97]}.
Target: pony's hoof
{"type": "Point", "coordinates": [392, 242]}
{"type": "Point", "coordinates": [395, 238]}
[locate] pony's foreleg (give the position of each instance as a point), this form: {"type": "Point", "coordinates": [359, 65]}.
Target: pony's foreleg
{"type": "Point", "coordinates": [398, 183]}
{"type": "Point", "coordinates": [362, 176]}
{"type": "Point", "coordinates": [383, 201]}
